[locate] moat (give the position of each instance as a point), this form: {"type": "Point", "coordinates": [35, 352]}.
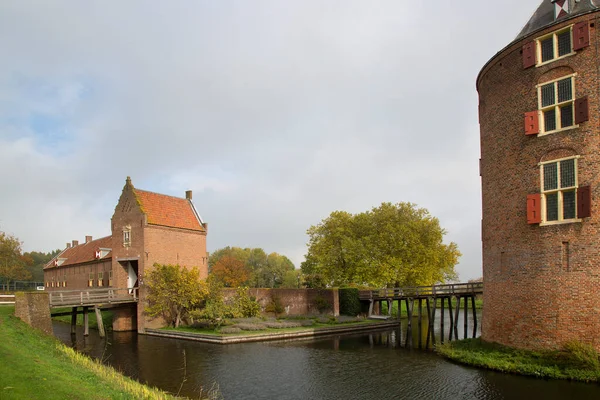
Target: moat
{"type": "Point", "coordinates": [355, 366]}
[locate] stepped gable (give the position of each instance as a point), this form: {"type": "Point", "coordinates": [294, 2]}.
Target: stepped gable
{"type": "Point", "coordinates": [82, 253]}
{"type": "Point", "coordinates": [169, 211]}
{"type": "Point", "coordinates": [544, 15]}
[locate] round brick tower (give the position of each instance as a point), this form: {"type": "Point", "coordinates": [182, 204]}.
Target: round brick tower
{"type": "Point", "coordinates": [540, 171]}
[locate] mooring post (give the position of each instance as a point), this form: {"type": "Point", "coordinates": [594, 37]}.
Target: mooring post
{"type": "Point", "coordinates": [474, 316]}
{"type": "Point", "coordinates": [456, 311]}
{"type": "Point", "coordinates": [86, 325]}
{"type": "Point", "coordinates": [428, 322]}
{"type": "Point", "coordinates": [73, 320]}
{"type": "Point", "coordinates": [99, 321]}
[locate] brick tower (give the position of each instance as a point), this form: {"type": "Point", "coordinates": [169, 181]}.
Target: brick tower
{"type": "Point", "coordinates": [540, 173]}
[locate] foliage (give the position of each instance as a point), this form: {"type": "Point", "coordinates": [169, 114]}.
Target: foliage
{"type": "Point", "coordinates": [13, 264]}
{"type": "Point", "coordinates": [275, 306]}
{"type": "Point", "coordinates": [391, 245]}
{"type": "Point", "coordinates": [542, 364]}
{"type": "Point", "coordinates": [216, 310]}
{"type": "Point", "coordinates": [322, 304]}
{"type": "Point", "coordinates": [349, 301]}
{"type": "Point", "coordinates": [231, 271]}
{"type": "Point", "coordinates": [41, 367]}
{"type": "Point", "coordinates": [244, 305]}
{"type": "Point", "coordinates": [292, 279]}
{"type": "Point", "coordinates": [265, 270]}
{"type": "Point", "coordinates": [38, 261]}
{"type": "Point", "coordinates": [173, 291]}
{"type": "Point", "coordinates": [581, 355]}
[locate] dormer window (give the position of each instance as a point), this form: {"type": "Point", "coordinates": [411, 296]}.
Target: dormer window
{"type": "Point", "coordinates": [127, 236]}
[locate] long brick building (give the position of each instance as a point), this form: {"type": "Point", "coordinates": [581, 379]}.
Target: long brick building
{"type": "Point", "coordinates": [540, 172]}
{"type": "Point", "coordinates": [146, 228]}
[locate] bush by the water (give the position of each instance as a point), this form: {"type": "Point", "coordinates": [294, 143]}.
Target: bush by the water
{"type": "Point", "coordinates": [230, 329]}
{"type": "Point", "coordinates": [349, 301]}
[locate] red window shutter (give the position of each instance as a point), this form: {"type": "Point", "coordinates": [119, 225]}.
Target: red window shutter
{"type": "Point", "coordinates": [532, 123]}
{"type": "Point", "coordinates": [581, 35]}
{"type": "Point", "coordinates": [529, 54]}
{"type": "Point", "coordinates": [581, 110]}
{"type": "Point", "coordinates": [584, 202]}
{"type": "Point", "coordinates": [534, 209]}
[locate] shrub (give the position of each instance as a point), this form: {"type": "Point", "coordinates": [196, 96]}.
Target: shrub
{"type": "Point", "coordinates": [230, 329]}
{"type": "Point", "coordinates": [250, 327]}
{"type": "Point", "coordinates": [322, 304]}
{"type": "Point", "coordinates": [307, 322]}
{"type": "Point", "coordinates": [349, 301]}
{"type": "Point", "coordinates": [581, 355]}
{"type": "Point", "coordinates": [282, 324]}
{"type": "Point", "coordinates": [244, 305]}
{"type": "Point", "coordinates": [275, 306]}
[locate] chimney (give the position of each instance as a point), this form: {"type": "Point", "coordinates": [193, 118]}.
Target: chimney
{"type": "Point", "coordinates": [75, 243]}
{"type": "Point", "coordinates": [88, 239]}
{"type": "Point", "coordinates": [188, 194]}
{"type": "Point", "coordinates": [68, 245]}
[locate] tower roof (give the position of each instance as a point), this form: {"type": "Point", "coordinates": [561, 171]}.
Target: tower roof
{"type": "Point", "coordinates": [545, 13]}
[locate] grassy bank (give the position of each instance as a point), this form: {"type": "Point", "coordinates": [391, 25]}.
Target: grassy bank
{"type": "Point", "coordinates": [575, 362]}
{"type": "Point", "coordinates": [37, 366]}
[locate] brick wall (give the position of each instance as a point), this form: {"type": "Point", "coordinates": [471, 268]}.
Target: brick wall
{"type": "Point", "coordinates": [295, 301]}
{"type": "Point", "coordinates": [542, 283]}
{"type": "Point", "coordinates": [77, 276]}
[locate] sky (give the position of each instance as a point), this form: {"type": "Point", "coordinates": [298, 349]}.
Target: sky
{"type": "Point", "coordinates": [274, 113]}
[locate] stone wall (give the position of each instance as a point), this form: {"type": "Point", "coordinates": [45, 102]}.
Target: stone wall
{"type": "Point", "coordinates": [542, 281]}
{"type": "Point", "coordinates": [34, 309]}
{"type": "Point", "coordinates": [295, 301]}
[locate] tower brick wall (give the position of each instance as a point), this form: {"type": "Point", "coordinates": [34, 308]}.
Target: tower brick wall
{"type": "Point", "coordinates": [542, 281]}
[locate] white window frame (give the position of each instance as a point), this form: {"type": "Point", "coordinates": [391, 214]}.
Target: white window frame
{"type": "Point", "coordinates": [556, 106]}
{"type": "Point", "coordinates": [127, 236]}
{"type": "Point", "coordinates": [558, 190]}
{"type": "Point", "coordinates": [554, 35]}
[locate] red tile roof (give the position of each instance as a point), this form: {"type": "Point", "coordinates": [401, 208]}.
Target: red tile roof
{"type": "Point", "coordinates": [169, 211]}
{"type": "Point", "coordinates": [82, 253]}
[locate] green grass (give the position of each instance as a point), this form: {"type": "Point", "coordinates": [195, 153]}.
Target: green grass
{"type": "Point", "coordinates": [37, 366]}
{"type": "Point", "coordinates": [575, 362]}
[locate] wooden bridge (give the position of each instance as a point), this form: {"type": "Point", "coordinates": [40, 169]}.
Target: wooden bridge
{"type": "Point", "coordinates": [430, 295]}
{"type": "Point", "coordinates": [96, 298]}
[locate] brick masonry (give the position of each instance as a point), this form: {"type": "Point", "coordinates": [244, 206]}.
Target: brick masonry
{"type": "Point", "coordinates": [295, 301]}
{"type": "Point", "coordinates": [542, 283]}
{"type": "Point", "coordinates": [34, 309]}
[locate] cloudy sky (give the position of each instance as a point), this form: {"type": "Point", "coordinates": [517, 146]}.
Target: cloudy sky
{"type": "Point", "coordinates": [275, 113]}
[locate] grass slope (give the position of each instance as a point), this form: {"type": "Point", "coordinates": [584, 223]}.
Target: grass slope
{"type": "Point", "coordinates": [575, 362]}
{"type": "Point", "coordinates": [37, 366]}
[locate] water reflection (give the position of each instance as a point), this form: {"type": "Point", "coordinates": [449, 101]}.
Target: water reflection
{"type": "Point", "coordinates": [359, 366]}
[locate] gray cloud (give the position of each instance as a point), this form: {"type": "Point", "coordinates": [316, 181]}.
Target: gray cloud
{"type": "Point", "coordinates": [274, 113]}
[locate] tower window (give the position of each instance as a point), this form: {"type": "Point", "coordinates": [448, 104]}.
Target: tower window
{"type": "Point", "coordinates": [559, 190]}
{"type": "Point", "coordinates": [555, 45]}
{"type": "Point", "coordinates": [556, 103]}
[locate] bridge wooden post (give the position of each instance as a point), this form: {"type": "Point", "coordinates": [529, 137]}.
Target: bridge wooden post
{"type": "Point", "coordinates": [466, 317]}
{"type": "Point", "coordinates": [409, 311]}
{"type": "Point", "coordinates": [99, 321]}
{"type": "Point", "coordinates": [86, 325]}
{"type": "Point", "coordinates": [451, 318]}
{"type": "Point", "coordinates": [73, 320]}
{"type": "Point", "coordinates": [432, 322]}
{"type": "Point", "coordinates": [442, 321]}
{"type": "Point", "coordinates": [456, 311]}
{"type": "Point", "coordinates": [420, 323]}
{"type": "Point", "coordinates": [474, 316]}
{"type": "Point", "coordinates": [428, 322]}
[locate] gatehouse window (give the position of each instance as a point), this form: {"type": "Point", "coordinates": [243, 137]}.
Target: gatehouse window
{"type": "Point", "coordinates": [127, 236]}
{"type": "Point", "coordinates": [555, 45]}
{"type": "Point", "coordinates": [556, 104]}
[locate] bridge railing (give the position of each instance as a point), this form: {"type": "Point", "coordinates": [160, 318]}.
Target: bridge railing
{"type": "Point", "coordinates": [93, 296]}
{"type": "Point", "coordinates": [450, 289]}
{"type": "Point", "coordinates": [7, 299]}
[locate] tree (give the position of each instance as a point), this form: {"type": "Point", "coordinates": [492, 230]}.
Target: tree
{"type": "Point", "coordinates": [231, 271]}
{"type": "Point", "coordinates": [38, 261]}
{"type": "Point", "coordinates": [265, 270]}
{"type": "Point", "coordinates": [13, 265]}
{"type": "Point", "coordinates": [391, 245]}
{"type": "Point", "coordinates": [174, 291]}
